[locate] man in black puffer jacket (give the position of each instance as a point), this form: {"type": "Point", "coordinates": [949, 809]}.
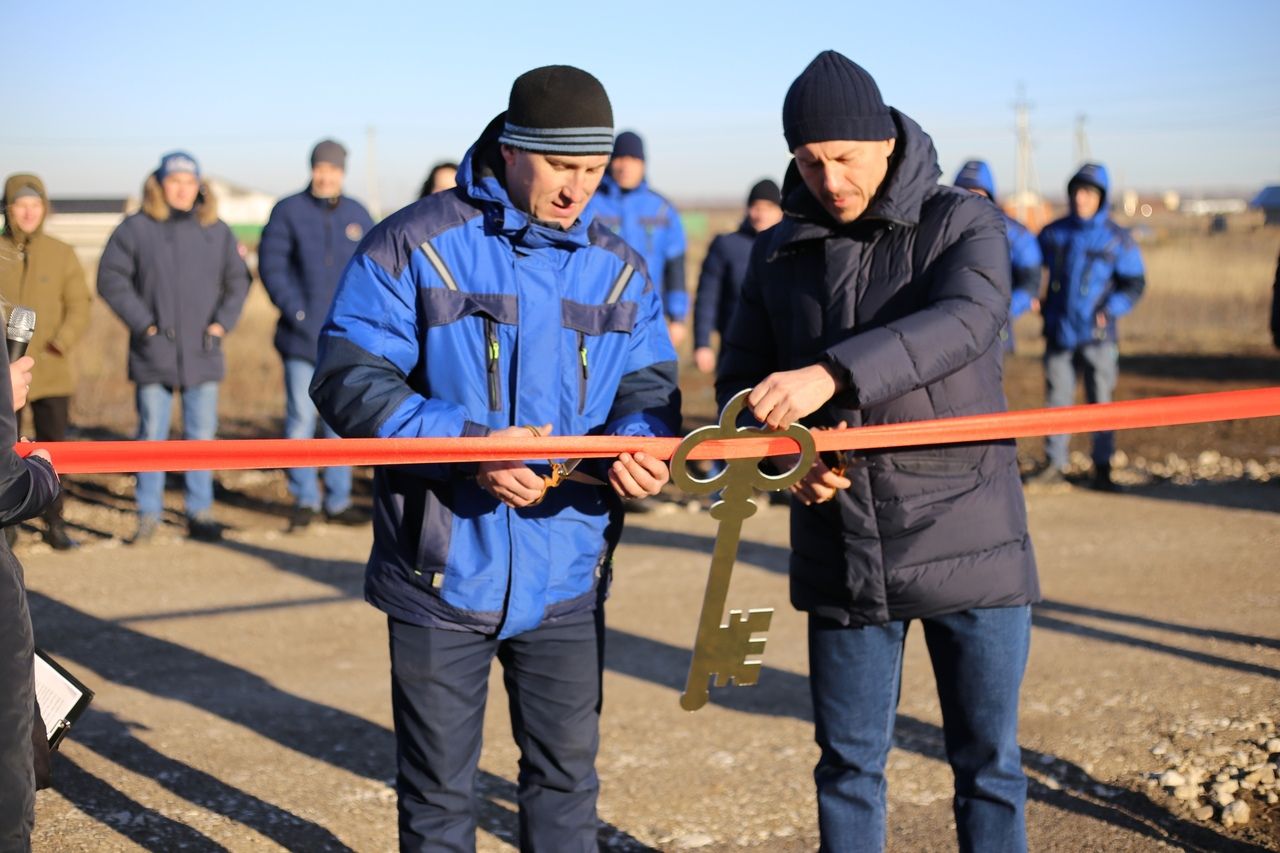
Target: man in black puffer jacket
{"type": "Point", "coordinates": [879, 299]}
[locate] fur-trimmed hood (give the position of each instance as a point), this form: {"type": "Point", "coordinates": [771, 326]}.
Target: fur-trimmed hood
{"type": "Point", "coordinates": [154, 205]}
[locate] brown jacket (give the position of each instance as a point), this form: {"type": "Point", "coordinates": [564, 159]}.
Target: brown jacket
{"type": "Point", "coordinates": [43, 274]}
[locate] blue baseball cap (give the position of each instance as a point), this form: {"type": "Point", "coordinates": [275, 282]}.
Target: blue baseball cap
{"type": "Point", "coordinates": [176, 162]}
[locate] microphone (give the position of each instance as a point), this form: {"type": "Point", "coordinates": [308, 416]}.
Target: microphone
{"type": "Point", "coordinates": [22, 325]}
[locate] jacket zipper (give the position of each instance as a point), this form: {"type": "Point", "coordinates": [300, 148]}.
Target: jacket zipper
{"type": "Point", "coordinates": [582, 373]}
{"type": "Point", "coordinates": [328, 236]}
{"type": "Point", "coordinates": [493, 351]}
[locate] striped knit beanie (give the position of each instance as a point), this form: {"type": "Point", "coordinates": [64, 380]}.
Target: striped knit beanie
{"type": "Point", "coordinates": [558, 109]}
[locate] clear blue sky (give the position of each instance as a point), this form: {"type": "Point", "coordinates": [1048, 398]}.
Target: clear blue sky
{"type": "Point", "coordinates": [1176, 93]}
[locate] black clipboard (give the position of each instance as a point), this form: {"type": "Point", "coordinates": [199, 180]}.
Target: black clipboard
{"type": "Point", "coordinates": [66, 695]}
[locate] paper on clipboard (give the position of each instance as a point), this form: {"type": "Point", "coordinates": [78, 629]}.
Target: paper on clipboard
{"type": "Point", "coordinates": [61, 696]}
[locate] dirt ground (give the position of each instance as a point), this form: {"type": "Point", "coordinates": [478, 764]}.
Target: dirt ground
{"type": "Point", "coordinates": [242, 688]}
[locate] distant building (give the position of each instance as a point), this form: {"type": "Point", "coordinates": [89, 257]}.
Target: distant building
{"type": "Point", "coordinates": [86, 223]}
{"type": "Point", "coordinates": [245, 210]}
{"type": "Point", "coordinates": [1212, 206]}
{"type": "Point", "coordinates": [1030, 209]}
{"type": "Point", "coordinates": [1269, 202]}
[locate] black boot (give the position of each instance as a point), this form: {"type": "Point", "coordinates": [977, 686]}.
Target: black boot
{"type": "Point", "coordinates": [56, 535]}
{"type": "Point", "coordinates": [1102, 481]}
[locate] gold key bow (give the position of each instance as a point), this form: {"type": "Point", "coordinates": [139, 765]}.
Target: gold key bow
{"type": "Point", "coordinates": [729, 651]}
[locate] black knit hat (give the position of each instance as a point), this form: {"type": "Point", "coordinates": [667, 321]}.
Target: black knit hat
{"type": "Point", "coordinates": [559, 109]}
{"type": "Point", "coordinates": [765, 190]}
{"type": "Point", "coordinates": [628, 144]}
{"type": "Point", "coordinates": [834, 98]}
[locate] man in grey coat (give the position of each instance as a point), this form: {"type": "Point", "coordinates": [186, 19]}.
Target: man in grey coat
{"type": "Point", "coordinates": [879, 299]}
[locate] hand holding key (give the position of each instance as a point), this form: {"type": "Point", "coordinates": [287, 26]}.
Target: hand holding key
{"type": "Point", "coordinates": [728, 651]}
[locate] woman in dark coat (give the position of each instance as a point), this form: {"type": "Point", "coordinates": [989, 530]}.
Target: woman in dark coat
{"type": "Point", "coordinates": [27, 486]}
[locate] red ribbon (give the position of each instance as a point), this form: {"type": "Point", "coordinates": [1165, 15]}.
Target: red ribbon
{"type": "Point", "coordinates": [119, 457]}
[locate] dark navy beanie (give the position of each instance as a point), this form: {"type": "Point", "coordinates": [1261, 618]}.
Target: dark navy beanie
{"type": "Point", "coordinates": [834, 98]}
{"type": "Point", "coordinates": [629, 144]}
{"type": "Point", "coordinates": [765, 190]}
{"type": "Point", "coordinates": [558, 109]}
{"type": "Point", "coordinates": [976, 175]}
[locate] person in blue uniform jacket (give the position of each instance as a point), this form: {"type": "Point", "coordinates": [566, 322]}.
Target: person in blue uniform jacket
{"type": "Point", "coordinates": [649, 223]}
{"type": "Point", "coordinates": [499, 308]}
{"type": "Point", "coordinates": [1096, 276]}
{"type": "Point", "coordinates": [1024, 251]}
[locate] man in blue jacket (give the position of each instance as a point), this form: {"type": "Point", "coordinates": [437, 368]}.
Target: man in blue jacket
{"type": "Point", "coordinates": [724, 269]}
{"type": "Point", "coordinates": [1024, 252]}
{"type": "Point", "coordinates": [305, 246]}
{"type": "Point", "coordinates": [173, 275]}
{"type": "Point", "coordinates": [499, 308]}
{"type": "Point", "coordinates": [650, 224]}
{"type": "Point", "coordinates": [879, 299]}
{"type": "Point", "coordinates": [1096, 276]}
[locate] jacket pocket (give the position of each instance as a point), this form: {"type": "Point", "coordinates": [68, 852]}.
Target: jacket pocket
{"type": "Point", "coordinates": [593, 321]}
{"type": "Point", "coordinates": [444, 307]}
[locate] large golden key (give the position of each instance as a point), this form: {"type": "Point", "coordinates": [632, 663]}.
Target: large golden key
{"type": "Point", "coordinates": [731, 651]}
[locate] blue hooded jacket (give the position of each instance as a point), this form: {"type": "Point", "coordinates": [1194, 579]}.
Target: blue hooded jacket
{"type": "Point", "coordinates": [305, 247]}
{"type": "Point", "coordinates": [650, 224]}
{"type": "Point", "coordinates": [1024, 250]}
{"type": "Point", "coordinates": [1094, 268]}
{"type": "Point", "coordinates": [459, 315]}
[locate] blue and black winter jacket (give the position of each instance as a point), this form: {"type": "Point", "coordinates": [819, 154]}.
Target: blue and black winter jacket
{"type": "Point", "coordinates": [460, 315]}
{"type": "Point", "coordinates": [1094, 268]}
{"type": "Point", "coordinates": [305, 246]}
{"type": "Point", "coordinates": [1024, 249]}
{"type": "Point", "coordinates": [651, 225]}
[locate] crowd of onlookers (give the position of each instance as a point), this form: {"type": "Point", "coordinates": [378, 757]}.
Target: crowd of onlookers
{"type": "Point", "coordinates": [541, 278]}
{"type": "Point", "coordinates": [173, 274]}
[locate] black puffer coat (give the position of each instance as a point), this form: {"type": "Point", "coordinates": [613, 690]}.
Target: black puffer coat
{"type": "Point", "coordinates": [27, 487]}
{"type": "Point", "coordinates": [907, 303]}
{"type": "Point", "coordinates": [179, 272]}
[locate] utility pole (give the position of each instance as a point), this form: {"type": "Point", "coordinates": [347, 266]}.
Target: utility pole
{"type": "Point", "coordinates": [1022, 175]}
{"type": "Point", "coordinates": [371, 171]}
{"type": "Point", "coordinates": [1082, 141]}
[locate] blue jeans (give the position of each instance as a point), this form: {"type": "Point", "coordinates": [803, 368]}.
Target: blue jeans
{"type": "Point", "coordinates": [1100, 365]}
{"type": "Point", "coordinates": [439, 685]}
{"type": "Point", "coordinates": [855, 675]}
{"type": "Point", "coordinates": [199, 421]}
{"type": "Point", "coordinates": [300, 417]}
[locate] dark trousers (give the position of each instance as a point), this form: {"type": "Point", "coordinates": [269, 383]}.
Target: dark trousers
{"type": "Point", "coordinates": [17, 699]}
{"type": "Point", "coordinates": [50, 416]}
{"type": "Point", "coordinates": [439, 685]}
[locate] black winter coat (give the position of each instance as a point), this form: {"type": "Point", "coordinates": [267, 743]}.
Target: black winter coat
{"type": "Point", "coordinates": [27, 486]}
{"type": "Point", "coordinates": [722, 273]}
{"type": "Point", "coordinates": [907, 304]}
{"type": "Point", "coordinates": [179, 275]}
